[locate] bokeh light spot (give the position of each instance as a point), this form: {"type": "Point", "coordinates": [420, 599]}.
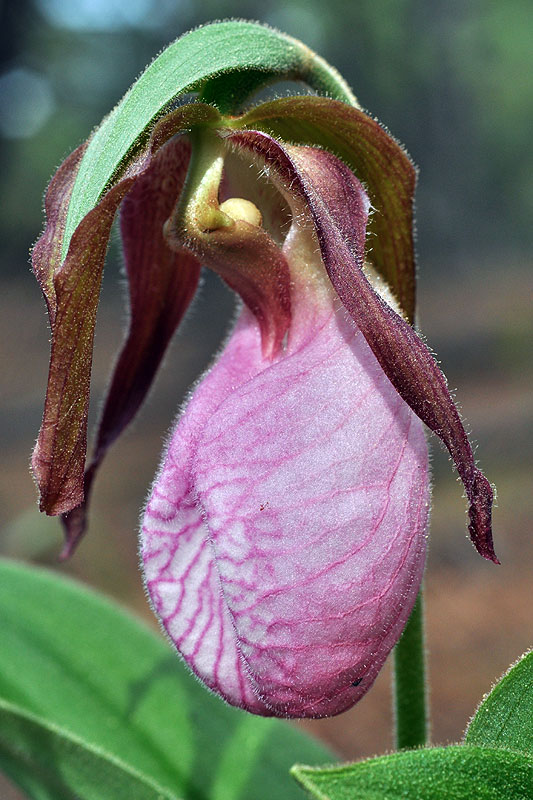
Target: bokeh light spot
{"type": "Point", "coordinates": [96, 15]}
{"type": "Point", "coordinates": [26, 102]}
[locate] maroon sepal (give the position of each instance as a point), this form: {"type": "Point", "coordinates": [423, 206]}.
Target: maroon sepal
{"type": "Point", "coordinates": [71, 288]}
{"type": "Point", "coordinates": [71, 291]}
{"type": "Point", "coordinates": [331, 193]}
{"type": "Point", "coordinates": [161, 285]}
{"type": "Point", "coordinates": [378, 160]}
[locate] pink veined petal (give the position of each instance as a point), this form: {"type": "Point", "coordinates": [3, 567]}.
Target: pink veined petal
{"type": "Point", "coordinates": [283, 543]}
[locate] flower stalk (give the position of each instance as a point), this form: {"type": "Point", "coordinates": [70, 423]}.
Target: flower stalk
{"type": "Point", "coordinates": [410, 695]}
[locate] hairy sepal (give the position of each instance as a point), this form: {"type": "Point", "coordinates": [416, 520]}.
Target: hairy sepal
{"type": "Point", "coordinates": [330, 190]}
{"type": "Point", "coordinates": [71, 288]}
{"type": "Point", "coordinates": [161, 285]}
{"type": "Point", "coordinates": [380, 163]}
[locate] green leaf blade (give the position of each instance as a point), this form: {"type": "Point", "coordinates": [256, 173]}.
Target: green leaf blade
{"type": "Point", "coordinates": [51, 764]}
{"type": "Point", "coordinates": [452, 773]}
{"type": "Point", "coordinates": [185, 66]}
{"type": "Point", "coordinates": [78, 662]}
{"type": "Point", "coordinates": [505, 716]}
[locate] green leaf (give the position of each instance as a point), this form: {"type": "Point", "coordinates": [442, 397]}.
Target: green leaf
{"type": "Point", "coordinates": [505, 716]}
{"type": "Point", "coordinates": [187, 65]}
{"type": "Point", "coordinates": [76, 660]}
{"type": "Point", "coordinates": [52, 764]}
{"type": "Point", "coordinates": [452, 773]}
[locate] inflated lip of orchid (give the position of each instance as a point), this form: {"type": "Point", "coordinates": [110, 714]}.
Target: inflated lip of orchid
{"type": "Point", "coordinates": [283, 544]}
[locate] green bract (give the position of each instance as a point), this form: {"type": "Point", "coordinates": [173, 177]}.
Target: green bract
{"type": "Point", "coordinates": [443, 773]}
{"type": "Point", "coordinates": [505, 717]}
{"type": "Point", "coordinates": [226, 61]}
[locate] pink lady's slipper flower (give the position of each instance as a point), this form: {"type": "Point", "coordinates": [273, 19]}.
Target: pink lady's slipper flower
{"type": "Point", "coordinates": [283, 543]}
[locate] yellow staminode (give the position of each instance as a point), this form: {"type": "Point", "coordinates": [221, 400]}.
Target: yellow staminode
{"type": "Point", "coordinates": [240, 209]}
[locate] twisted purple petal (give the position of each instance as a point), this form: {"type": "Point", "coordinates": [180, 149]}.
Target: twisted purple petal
{"type": "Point", "coordinates": [330, 190]}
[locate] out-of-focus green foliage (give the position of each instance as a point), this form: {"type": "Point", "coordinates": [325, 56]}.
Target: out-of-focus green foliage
{"type": "Point", "coordinates": [88, 693]}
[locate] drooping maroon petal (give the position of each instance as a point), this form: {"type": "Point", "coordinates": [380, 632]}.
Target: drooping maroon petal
{"type": "Point", "coordinates": [59, 456]}
{"type": "Point", "coordinates": [46, 255]}
{"type": "Point", "coordinates": [329, 187]}
{"type": "Point", "coordinates": [161, 285]}
{"type": "Point", "coordinates": [71, 287]}
{"type": "Point", "coordinates": [382, 164]}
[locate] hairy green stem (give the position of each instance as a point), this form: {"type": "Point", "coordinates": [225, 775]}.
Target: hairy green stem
{"type": "Point", "coordinates": [409, 689]}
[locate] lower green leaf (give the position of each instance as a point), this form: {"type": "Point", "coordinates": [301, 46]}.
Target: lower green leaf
{"type": "Point", "coordinates": [460, 772]}
{"type": "Point", "coordinates": [52, 764]}
{"type": "Point", "coordinates": [505, 717]}
{"type": "Point", "coordinates": [80, 664]}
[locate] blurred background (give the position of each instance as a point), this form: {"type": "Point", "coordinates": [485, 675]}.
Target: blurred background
{"type": "Point", "coordinates": [453, 80]}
